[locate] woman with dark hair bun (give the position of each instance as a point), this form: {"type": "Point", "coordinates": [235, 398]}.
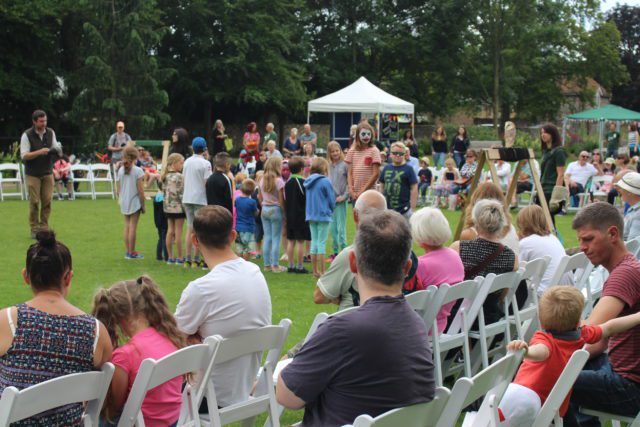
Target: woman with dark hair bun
{"type": "Point", "coordinates": [47, 337]}
{"type": "Point", "coordinates": [554, 159]}
{"type": "Point", "coordinates": [180, 143]}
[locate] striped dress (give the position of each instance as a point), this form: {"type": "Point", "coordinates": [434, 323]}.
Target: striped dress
{"type": "Point", "coordinates": [362, 161]}
{"type": "Point", "coordinates": [47, 346]}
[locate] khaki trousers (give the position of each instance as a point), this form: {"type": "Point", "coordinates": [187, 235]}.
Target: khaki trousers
{"type": "Point", "coordinates": [40, 196]}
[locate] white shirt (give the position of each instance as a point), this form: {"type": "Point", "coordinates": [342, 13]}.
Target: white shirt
{"type": "Point", "coordinates": [510, 240]}
{"type": "Point", "coordinates": [233, 297]}
{"type": "Point", "coordinates": [195, 171]}
{"type": "Point", "coordinates": [536, 246]}
{"type": "Point", "coordinates": [581, 174]}
{"type": "Point", "coordinates": [504, 173]}
{"type": "Point", "coordinates": [25, 145]}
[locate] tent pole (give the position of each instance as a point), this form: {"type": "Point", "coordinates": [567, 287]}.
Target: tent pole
{"type": "Point", "coordinates": [308, 116]}
{"type": "Point", "coordinates": [564, 130]}
{"type": "Point", "coordinates": [601, 133]}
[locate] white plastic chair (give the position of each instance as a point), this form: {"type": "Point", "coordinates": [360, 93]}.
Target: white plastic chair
{"type": "Point", "coordinates": [490, 383]}
{"type": "Point", "coordinates": [472, 294]}
{"type": "Point", "coordinates": [419, 415]}
{"type": "Point", "coordinates": [550, 410]}
{"type": "Point", "coordinates": [615, 419]}
{"type": "Point", "coordinates": [596, 185]}
{"type": "Point", "coordinates": [580, 266]}
{"type": "Point", "coordinates": [87, 178]}
{"type": "Point", "coordinates": [633, 246]}
{"type": "Point", "coordinates": [259, 340]}
{"type": "Point", "coordinates": [90, 387]}
{"type": "Point", "coordinates": [101, 172]}
{"type": "Point", "coordinates": [426, 304]}
{"type": "Point", "coordinates": [507, 282]}
{"type": "Point", "coordinates": [5, 169]}
{"type": "Point", "coordinates": [152, 373]}
{"type": "Point", "coordinates": [525, 318]}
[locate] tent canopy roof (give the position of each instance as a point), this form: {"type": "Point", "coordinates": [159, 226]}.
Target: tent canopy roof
{"type": "Point", "coordinates": [608, 112]}
{"type": "Point", "coordinates": [361, 96]}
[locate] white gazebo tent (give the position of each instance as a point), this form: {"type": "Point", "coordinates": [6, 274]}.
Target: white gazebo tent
{"type": "Point", "coordinates": [361, 96]}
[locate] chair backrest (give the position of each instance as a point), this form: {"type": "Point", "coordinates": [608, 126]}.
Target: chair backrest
{"type": "Point", "coordinates": [91, 387]}
{"type": "Point", "coordinates": [578, 263]}
{"type": "Point", "coordinates": [81, 168]}
{"type": "Point", "coordinates": [633, 246]}
{"type": "Point", "coordinates": [468, 291]}
{"type": "Point", "coordinates": [426, 304]}
{"type": "Point", "coordinates": [534, 270]}
{"type": "Point", "coordinates": [153, 373]}
{"type": "Point", "coordinates": [419, 415]}
{"type": "Point", "coordinates": [492, 380]}
{"type": "Point", "coordinates": [97, 168]}
{"type": "Point", "coordinates": [14, 167]}
{"type": "Point", "coordinates": [562, 387]}
{"type": "Point", "coordinates": [259, 340]}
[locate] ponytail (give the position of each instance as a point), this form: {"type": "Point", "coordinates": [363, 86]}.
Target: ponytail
{"type": "Point", "coordinates": [157, 311]}
{"type": "Point", "coordinates": [103, 311]}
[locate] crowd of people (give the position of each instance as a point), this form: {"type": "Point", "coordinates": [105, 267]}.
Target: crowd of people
{"type": "Point", "coordinates": [369, 360]}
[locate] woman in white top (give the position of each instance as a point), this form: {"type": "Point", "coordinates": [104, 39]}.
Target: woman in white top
{"type": "Point", "coordinates": [537, 241]}
{"type": "Point", "coordinates": [488, 190]}
{"type": "Point", "coordinates": [632, 138]}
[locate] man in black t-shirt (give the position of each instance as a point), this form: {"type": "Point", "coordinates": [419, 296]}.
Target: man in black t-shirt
{"type": "Point", "coordinates": [371, 359]}
{"type": "Point", "coordinates": [220, 185]}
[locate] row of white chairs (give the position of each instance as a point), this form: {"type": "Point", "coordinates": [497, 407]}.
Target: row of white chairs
{"type": "Point", "coordinates": [93, 176]}
{"type": "Point", "coordinates": [92, 387]}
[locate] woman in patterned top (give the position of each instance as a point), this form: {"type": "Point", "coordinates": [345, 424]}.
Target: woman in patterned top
{"type": "Point", "coordinates": [485, 254]}
{"type": "Point", "coordinates": [47, 337]}
{"type": "Point", "coordinates": [173, 187]}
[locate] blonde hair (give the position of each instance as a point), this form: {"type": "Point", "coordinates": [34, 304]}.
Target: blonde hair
{"type": "Point", "coordinates": [487, 190]}
{"type": "Point", "coordinates": [240, 177]}
{"type": "Point", "coordinates": [531, 220]}
{"type": "Point", "coordinates": [171, 161]}
{"type": "Point", "coordinates": [271, 142]}
{"type": "Point", "coordinates": [489, 217]}
{"type": "Point", "coordinates": [450, 162]}
{"type": "Point", "coordinates": [560, 308]}
{"type": "Point", "coordinates": [294, 131]}
{"type": "Point", "coordinates": [334, 144]}
{"type": "Point", "coordinates": [425, 160]}
{"type": "Point", "coordinates": [130, 153]}
{"type": "Point", "coordinates": [430, 227]}
{"type": "Point", "coordinates": [248, 186]}
{"type": "Point", "coordinates": [272, 172]}
{"type": "Point", "coordinates": [320, 165]}
{"type": "Point", "coordinates": [131, 298]}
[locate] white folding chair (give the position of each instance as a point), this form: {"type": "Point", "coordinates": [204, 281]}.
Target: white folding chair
{"type": "Point", "coordinates": [5, 170]}
{"type": "Point", "coordinates": [580, 266]}
{"type": "Point", "coordinates": [90, 387]}
{"type": "Point", "coordinates": [490, 383]}
{"type": "Point", "coordinates": [419, 415]}
{"type": "Point", "coordinates": [426, 304]}
{"type": "Point", "coordinates": [550, 410]}
{"type": "Point", "coordinates": [152, 373]}
{"type": "Point", "coordinates": [77, 171]}
{"type": "Point", "coordinates": [525, 318]}
{"type": "Point", "coordinates": [633, 246]}
{"type": "Point", "coordinates": [503, 283]}
{"type": "Point", "coordinates": [101, 173]}
{"type": "Point", "coordinates": [253, 342]}
{"type": "Point", "coordinates": [472, 294]}
{"type": "Point", "coordinates": [615, 419]}
{"type": "Point", "coordinates": [597, 183]}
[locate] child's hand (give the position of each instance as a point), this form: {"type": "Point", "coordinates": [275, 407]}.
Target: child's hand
{"type": "Point", "coordinates": [517, 345]}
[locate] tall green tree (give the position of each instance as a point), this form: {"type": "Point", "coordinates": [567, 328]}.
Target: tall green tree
{"type": "Point", "coordinates": [119, 78]}
{"type": "Point", "coordinates": [627, 20]}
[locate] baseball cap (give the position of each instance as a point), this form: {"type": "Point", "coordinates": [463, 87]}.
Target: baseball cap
{"type": "Point", "coordinates": [630, 182]}
{"type": "Point", "coordinates": [610, 160]}
{"type": "Point", "coordinates": [199, 144]}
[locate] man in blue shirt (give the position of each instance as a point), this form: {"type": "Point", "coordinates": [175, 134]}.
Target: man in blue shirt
{"type": "Point", "coordinates": [308, 137]}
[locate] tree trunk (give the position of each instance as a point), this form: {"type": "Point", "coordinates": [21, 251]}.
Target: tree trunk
{"type": "Point", "coordinates": [208, 125]}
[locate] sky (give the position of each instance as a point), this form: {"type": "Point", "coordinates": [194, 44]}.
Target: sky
{"type": "Point", "coordinates": [608, 4]}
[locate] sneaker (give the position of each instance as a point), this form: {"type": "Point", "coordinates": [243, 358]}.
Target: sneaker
{"type": "Point", "coordinates": [171, 261]}
{"type": "Point", "coordinates": [187, 264]}
{"type": "Point", "coordinates": [204, 266]}
{"type": "Point", "coordinates": [257, 256]}
{"type": "Point", "coordinates": [136, 255]}
{"type": "Point", "coordinates": [331, 258]}
{"type": "Point", "coordinates": [179, 261]}
{"type": "Point", "coordinates": [302, 270]}
{"type": "Point", "coordinates": [127, 255]}
{"type": "Point", "coordinates": [60, 197]}
{"type": "Point", "coordinates": [307, 258]}
{"type": "Point", "coordinates": [72, 197]}
{"type": "Point", "coordinates": [292, 270]}
{"type": "Point", "coordinates": [284, 257]}
{"type": "Point", "coordinates": [278, 269]}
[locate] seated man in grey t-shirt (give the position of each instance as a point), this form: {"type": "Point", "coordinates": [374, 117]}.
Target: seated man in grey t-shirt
{"type": "Point", "coordinates": [374, 358]}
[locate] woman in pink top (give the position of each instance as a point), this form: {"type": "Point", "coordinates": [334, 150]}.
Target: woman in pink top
{"type": "Point", "coordinates": [439, 264]}
{"type": "Point", "coordinates": [251, 140]}
{"type": "Point", "coordinates": [363, 160]}
{"type": "Point", "coordinates": [138, 309]}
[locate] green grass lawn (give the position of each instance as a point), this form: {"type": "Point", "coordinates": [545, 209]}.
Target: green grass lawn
{"type": "Point", "coordinates": [93, 232]}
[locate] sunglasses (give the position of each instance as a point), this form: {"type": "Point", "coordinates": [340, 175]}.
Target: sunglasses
{"type": "Point", "coordinates": [397, 153]}
{"type": "Point", "coordinates": [470, 157]}
{"type": "Point", "coordinates": [584, 157]}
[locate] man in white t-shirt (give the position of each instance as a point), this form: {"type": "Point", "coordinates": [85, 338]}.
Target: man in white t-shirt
{"type": "Point", "coordinates": [577, 175]}
{"type": "Point", "coordinates": [196, 171]}
{"type": "Point", "coordinates": [233, 297]}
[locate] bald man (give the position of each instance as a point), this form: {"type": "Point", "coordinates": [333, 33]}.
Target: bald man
{"type": "Point", "coordinates": [338, 284]}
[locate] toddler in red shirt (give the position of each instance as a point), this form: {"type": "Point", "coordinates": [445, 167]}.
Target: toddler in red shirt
{"type": "Point", "coordinates": [559, 309]}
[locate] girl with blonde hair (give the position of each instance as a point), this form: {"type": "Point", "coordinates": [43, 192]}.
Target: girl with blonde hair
{"type": "Point", "coordinates": [138, 310]}
{"type": "Point", "coordinates": [338, 175]}
{"type": "Point", "coordinates": [173, 187]}
{"type": "Point", "coordinates": [271, 197]}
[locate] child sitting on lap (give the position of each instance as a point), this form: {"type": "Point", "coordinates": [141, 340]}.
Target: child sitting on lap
{"type": "Point", "coordinates": [559, 309]}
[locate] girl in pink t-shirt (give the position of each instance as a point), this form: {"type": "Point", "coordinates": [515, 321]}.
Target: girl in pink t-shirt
{"type": "Point", "coordinates": [138, 310]}
{"type": "Point", "coordinates": [363, 160]}
{"type": "Point", "coordinates": [439, 265]}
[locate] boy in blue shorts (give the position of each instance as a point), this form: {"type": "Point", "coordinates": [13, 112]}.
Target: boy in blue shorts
{"type": "Point", "coordinates": [246, 212]}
